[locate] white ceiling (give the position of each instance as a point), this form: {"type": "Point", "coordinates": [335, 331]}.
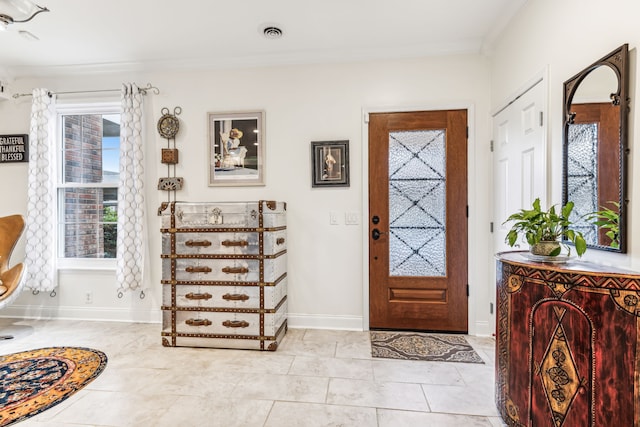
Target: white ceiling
{"type": "Point", "coordinates": [125, 35]}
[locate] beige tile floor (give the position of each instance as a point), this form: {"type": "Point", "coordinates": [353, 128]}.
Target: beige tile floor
{"type": "Point", "coordinates": [315, 378]}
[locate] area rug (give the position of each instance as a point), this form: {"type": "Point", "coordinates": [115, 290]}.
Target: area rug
{"type": "Point", "coordinates": [422, 346]}
{"type": "Point", "coordinates": [33, 381]}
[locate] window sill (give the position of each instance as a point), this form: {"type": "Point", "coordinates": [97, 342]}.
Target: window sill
{"type": "Point", "coordinates": [69, 264]}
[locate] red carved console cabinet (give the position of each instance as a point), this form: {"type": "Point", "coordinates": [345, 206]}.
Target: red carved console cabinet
{"type": "Point", "coordinates": [567, 344]}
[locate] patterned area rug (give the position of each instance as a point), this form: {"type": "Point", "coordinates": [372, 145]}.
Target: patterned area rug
{"type": "Point", "coordinates": [422, 346]}
{"type": "Point", "coordinates": [33, 381]}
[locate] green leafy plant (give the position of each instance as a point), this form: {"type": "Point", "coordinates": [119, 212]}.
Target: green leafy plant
{"type": "Point", "coordinates": [608, 219]}
{"type": "Point", "coordinates": [536, 225]}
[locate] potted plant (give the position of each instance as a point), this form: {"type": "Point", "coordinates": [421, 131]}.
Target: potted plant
{"type": "Point", "coordinates": [609, 220]}
{"type": "Point", "coordinates": [543, 230]}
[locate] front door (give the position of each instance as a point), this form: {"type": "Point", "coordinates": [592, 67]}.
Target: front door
{"type": "Point", "coordinates": [418, 220]}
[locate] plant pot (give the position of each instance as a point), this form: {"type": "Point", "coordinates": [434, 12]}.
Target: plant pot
{"type": "Point", "coordinates": [545, 248]}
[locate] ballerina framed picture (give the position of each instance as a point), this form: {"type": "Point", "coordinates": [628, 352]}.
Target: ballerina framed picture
{"type": "Point", "coordinates": [330, 163]}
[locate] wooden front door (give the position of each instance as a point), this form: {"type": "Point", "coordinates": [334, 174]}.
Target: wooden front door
{"type": "Point", "coordinates": [418, 220]}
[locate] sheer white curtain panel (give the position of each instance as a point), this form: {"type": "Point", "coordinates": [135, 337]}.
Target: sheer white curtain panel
{"type": "Point", "coordinates": [40, 231]}
{"type": "Point", "coordinates": [131, 240]}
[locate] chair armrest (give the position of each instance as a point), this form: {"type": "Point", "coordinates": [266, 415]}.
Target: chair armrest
{"type": "Point", "coordinates": [11, 279]}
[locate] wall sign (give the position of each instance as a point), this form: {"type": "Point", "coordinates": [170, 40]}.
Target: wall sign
{"type": "Point", "coordinates": [14, 148]}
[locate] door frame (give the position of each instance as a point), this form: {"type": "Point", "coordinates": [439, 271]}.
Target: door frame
{"type": "Point", "coordinates": [472, 258]}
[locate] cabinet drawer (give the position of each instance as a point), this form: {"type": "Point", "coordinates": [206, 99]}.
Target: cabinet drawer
{"type": "Point", "coordinates": [224, 270]}
{"type": "Point", "coordinates": [225, 243]}
{"type": "Point", "coordinates": [224, 323]}
{"type": "Point", "coordinates": [225, 215]}
{"type": "Point", "coordinates": [233, 297]}
{"type": "Point", "coordinates": [270, 343]}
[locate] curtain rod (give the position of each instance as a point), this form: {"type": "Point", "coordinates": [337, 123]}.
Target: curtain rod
{"type": "Point", "coordinates": [142, 90]}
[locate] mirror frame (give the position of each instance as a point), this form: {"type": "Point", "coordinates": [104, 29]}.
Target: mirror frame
{"type": "Point", "coordinates": [618, 61]}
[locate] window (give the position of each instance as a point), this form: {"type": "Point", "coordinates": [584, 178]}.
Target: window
{"type": "Point", "coordinates": [88, 174]}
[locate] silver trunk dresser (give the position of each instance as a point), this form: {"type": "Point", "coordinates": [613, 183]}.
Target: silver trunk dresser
{"type": "Point", "coordinates": [224, 274]}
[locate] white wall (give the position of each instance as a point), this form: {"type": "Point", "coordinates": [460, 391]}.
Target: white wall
{"type": "Point", "coordinates": [567, 36]}
{"type": "Point", "coordinates": [302, 104]}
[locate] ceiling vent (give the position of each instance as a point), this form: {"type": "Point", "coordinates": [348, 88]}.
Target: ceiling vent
{"type": "Point", "coordinates": [272, 32]}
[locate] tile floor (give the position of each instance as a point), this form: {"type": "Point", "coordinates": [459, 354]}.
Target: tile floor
{"type": "Point", "coordinates": [315, 378]}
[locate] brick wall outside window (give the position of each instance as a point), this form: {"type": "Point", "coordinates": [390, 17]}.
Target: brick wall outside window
{"type": "Point", "coordinates": [84, 209]}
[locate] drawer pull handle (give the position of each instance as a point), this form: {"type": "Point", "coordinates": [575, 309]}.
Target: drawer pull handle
{"type": "Point", "coordinates": [241, 243]}
{"type": "Point", "coordinates": [235, 324]}
{"type": "Point", "coordinates": [193, 296]}
{"type": "Point", "coordinates": [198, 322]}
{"type": "Point", "coordinates": [235, 297]}
{"type": "Point", "coordinates": [279, 240]}
{"type": "Point", "coordinates": [235, 270]}
{"type": "Point", "coordinates": [198, 270]}
{"type": "Point", "coordinates": [192, 243]}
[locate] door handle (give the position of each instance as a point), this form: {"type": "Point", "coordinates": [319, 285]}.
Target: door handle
{"type": "Point", "coordinates": [375, 234]}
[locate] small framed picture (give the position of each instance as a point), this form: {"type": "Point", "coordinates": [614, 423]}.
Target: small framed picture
{"type": "Point", "coordinates": [237, 149]}
{"type": "Point", "coordinates": [330, 163]}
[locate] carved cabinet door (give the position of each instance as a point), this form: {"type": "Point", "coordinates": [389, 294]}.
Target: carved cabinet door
{"type": "Point", "coordinates": [561, 365]}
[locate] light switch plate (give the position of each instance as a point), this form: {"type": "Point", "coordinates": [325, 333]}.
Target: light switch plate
{"type": "Point", "coordinates": [352, 218]}
{"type": "Point", "coordinates": [333, 218]}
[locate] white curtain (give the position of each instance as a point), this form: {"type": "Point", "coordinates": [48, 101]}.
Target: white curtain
{"type": "Point", "coordinates": [131, 239]}
{"type": "Point", "coordinates": [40, 228]}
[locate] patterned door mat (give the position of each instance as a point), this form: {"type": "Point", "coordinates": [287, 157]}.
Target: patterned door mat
{"type": "Point", "coordinates": [33, 381]}
{"type": "Point", "coordinates": [422, 346]}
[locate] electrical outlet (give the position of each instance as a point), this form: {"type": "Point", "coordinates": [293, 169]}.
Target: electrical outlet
{"type": "Point", "coordinates": [88, 297]}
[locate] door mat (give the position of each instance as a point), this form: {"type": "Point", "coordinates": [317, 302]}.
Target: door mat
{"type": "Point", "coordinates": [422, 346]}
{"type": "Point", "coordinates": [33, 381]}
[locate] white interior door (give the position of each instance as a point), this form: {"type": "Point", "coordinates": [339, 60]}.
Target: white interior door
{"type": "Point", "coordinates": [519, 164]}
{"type": "Point", "coordinates": [519, 159]}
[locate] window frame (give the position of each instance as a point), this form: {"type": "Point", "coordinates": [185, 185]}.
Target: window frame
{"type": "Point", "coordinates": [64, 263]}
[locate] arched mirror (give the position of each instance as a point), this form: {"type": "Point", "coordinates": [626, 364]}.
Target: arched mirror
{"type": "Point", "coordinates": [596, 105]}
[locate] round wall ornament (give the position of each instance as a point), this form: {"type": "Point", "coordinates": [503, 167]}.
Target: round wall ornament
{"type": "Point", "coordinates": [168, 124]}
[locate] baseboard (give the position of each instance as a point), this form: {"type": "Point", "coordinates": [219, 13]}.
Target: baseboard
{"type": "Point", "coordinates": [102, 314]}
{"type": "Point", "coordinates": [324, 321]}
{"type": "Point", "coordinates": [295, 321]}
{"type": "Point", "coordinates": [483, 329]}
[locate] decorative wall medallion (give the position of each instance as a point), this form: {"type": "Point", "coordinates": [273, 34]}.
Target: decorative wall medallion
{"type": "Point", "coordinates": [170, 184]}
{"type": "Point", "coordinates": [170, 156]}
{"type": "Point", "coordinates": [168, 125]}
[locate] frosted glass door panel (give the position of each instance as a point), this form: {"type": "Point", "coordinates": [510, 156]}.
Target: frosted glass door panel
{"type": "Point", "coordinates": [417, 203]}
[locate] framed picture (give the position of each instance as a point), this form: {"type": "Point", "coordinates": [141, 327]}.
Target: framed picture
{"type": "Point", "coordinates": [330, 163]}
{"type": "Point", "coordinates": [236, 148]}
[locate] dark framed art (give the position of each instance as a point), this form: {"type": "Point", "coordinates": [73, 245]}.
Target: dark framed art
{"type": "Point", "coordinates": [14, 148]}
{"type": "Point", "coordinates": [236, 148]}
{"type": "Point", "coordinates": [330, 163]}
